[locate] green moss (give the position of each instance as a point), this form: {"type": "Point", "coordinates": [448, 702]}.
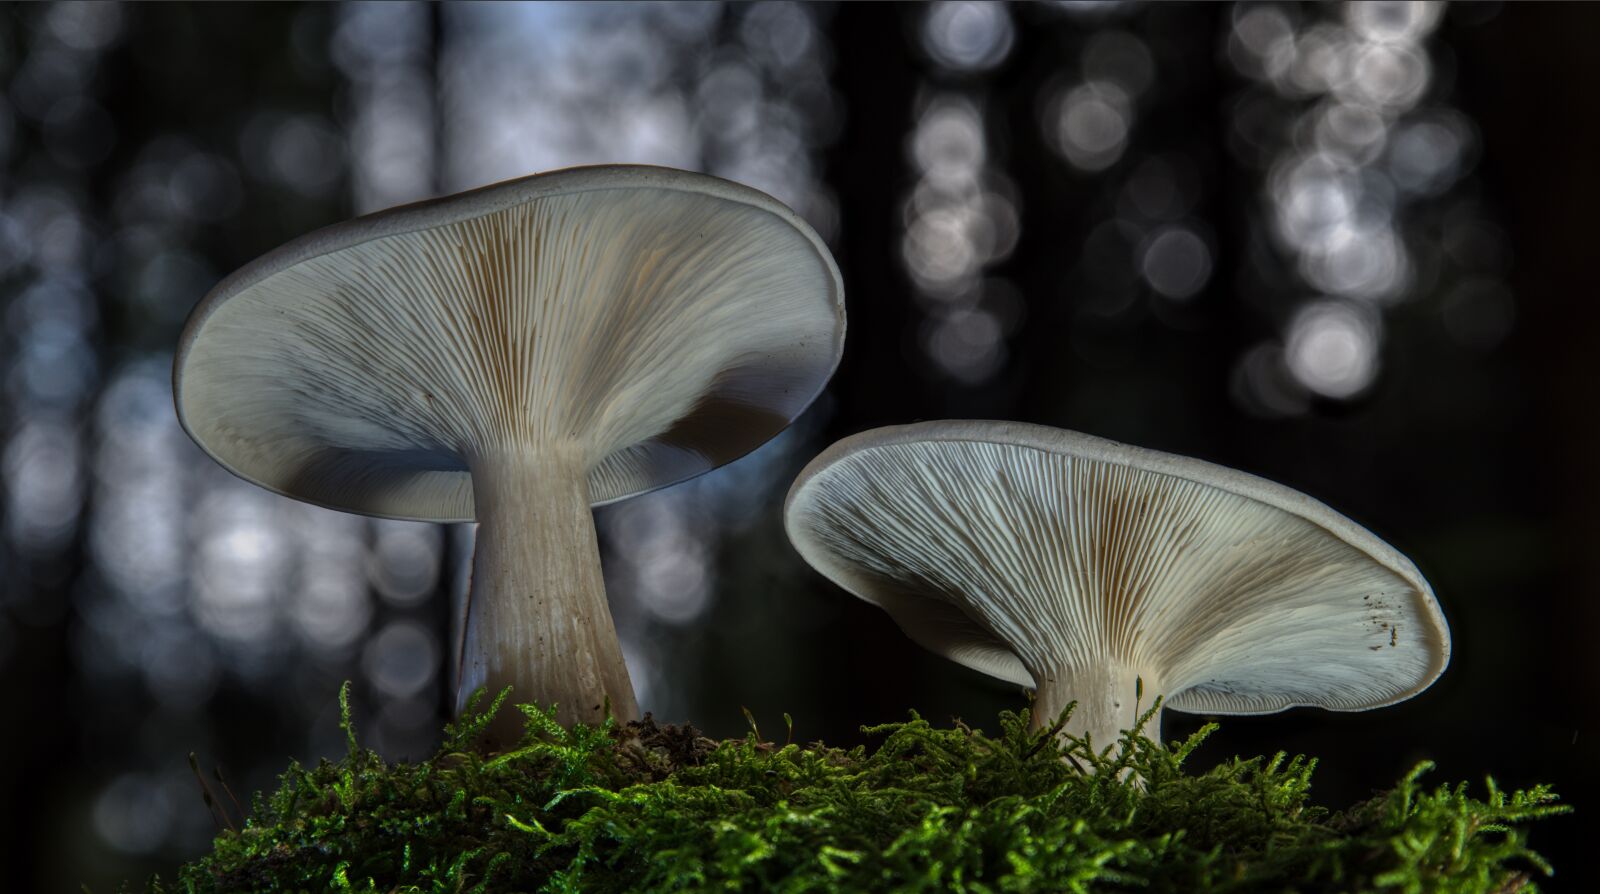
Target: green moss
{"type": "Point", "coordinates": [642, 807]}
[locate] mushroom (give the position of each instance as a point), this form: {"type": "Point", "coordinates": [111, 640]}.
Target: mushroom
{"type": "Point", "coordinates": [515, 355]}
{"type": "Point", "coordinates": [1097, 572]}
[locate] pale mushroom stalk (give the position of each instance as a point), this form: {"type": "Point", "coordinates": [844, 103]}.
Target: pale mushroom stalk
{"type": "Point", "coordinates": [537, 617]}
{"type": "Point", "coordinates": [514, 356]}
{"type": "Point", "coordinates": [1092, 571]}
{"type": "Point", "coordinates": [1110, 696]}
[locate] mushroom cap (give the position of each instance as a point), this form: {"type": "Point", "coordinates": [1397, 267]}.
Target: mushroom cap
{"type": "Point", "coordinates": [1021, 550]}
{"type": "Point", "coordinates": [661, 322]}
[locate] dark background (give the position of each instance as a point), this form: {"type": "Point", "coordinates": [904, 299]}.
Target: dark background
{"type": "Point", "coordinates": [1345, 248]}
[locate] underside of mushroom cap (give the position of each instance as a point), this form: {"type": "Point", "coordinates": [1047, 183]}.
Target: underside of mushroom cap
{"type": "Point", "coordinates": [1022, 551]}
{"type": "Point", "coordinates": [660, 322]}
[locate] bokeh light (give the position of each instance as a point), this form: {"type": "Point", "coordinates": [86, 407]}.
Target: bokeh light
{"type": "Point", "coordinates": [386, 50]}
{"type": "Point", "coordinates": [1347, 180]}
{"type": "Point", "coordinates": [1332, 348]}
{"type": "Point", "coordinates": [968, 35]}
{"type": "Point", "coordinates": [402, 659]}
{"type": "Point", "coordinates": [961, 218]}
{"type": "Point", "coordinates": [43, 482]}
{"type": "Point", "coordinates": [134, 813]}
{"type": "Point", "coordinates": [1117, 57]}
{"type": "Point", "coordinates": [1089, 124]}
{"type": "Point", "coordinates": [1176, 262]}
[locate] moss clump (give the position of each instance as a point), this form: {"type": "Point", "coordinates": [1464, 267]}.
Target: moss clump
{"type": "Point", "coordinates": [643, 807]}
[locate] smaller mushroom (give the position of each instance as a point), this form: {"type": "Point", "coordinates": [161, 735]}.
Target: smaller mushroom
{"type": "Point", "coordinates": [1092, 571]}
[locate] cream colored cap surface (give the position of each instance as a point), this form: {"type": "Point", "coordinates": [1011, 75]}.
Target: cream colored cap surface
{"type": "Point", "coordinates": [660, 322]}
{"type": "Point", "coordinates": [1019, 550]}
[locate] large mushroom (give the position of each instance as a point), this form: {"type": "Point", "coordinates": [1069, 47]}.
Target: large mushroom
{"type": "Point", "coordinates": [515, 355]}
{"type": "Point", "coordinates": [1083, 567]}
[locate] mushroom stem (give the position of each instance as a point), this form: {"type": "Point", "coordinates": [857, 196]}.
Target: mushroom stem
{"type": "Point", "coordinates": [537, 617]}
{"type": "Point", "coordinates": [1107, 697]}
